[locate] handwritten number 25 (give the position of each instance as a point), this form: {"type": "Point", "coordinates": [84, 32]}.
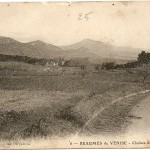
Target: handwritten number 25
{"type": "Point", "coordinates": [81, 16]}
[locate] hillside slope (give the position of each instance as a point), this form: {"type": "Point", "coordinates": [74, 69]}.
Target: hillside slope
{"type": "Point", "coordinates": [39, 49]}
{"type": "Point", "coordinates": [105, 50]}
{"type": "Point", "coordinates": [36, 49]}
{"type": "Point", "coordinates": [86, 48]}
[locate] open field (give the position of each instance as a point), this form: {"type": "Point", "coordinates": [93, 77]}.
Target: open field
{"type": "Point", "coordinates": [38, 103]}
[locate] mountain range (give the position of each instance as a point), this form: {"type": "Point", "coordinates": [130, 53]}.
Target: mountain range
{"type": "Point", "coordinates": [85, 48]}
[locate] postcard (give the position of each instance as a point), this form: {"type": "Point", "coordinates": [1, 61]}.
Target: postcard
{"type": "Point", "coordinates": [74, 75]}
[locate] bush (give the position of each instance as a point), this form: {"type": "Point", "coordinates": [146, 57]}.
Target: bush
{"type": "Point", "coordinates": [97, 67]}
{"type": "Point", "coordinates": [108, 65]}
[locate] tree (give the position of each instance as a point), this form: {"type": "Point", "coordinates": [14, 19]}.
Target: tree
{"type": "Point", "coordinates": [143, 57]}
{"type": "Point", "coordinates": [83, 70]}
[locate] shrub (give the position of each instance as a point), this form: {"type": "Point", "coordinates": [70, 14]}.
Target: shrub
{"type": "Point", "coordinates": [108, 65]}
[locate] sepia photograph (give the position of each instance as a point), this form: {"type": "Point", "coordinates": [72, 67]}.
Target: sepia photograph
{"type": "Point", "coordinates": [74, 75]}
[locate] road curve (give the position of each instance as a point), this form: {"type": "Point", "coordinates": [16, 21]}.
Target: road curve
{"type": "Point", "coordinates": [114, 101]}
{"type": "Point", "coordinates": [140, 121]}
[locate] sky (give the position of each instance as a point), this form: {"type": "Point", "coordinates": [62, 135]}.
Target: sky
{"type": "Point", "coordinates": [118, 23]}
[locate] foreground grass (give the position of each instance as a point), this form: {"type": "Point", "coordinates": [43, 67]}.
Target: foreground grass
{"type": "Point", "coordinates": [35, 103]}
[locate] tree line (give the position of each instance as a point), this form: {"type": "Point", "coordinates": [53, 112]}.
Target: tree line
{"type": "Point", "coordinates": [74, 62]}
{"type": "Point", "coordinates": [29, 60]}
{"type": "Point", "coordinates": [143, 58]}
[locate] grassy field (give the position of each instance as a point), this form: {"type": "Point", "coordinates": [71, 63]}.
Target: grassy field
{"type": "Point", "coordinates": [38, 103]}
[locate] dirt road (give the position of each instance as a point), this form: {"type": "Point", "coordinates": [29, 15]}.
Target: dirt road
{"type": "Point", "coordinates": [116, 117]}
{"type": "Point", "coordinates": [140, 119]}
